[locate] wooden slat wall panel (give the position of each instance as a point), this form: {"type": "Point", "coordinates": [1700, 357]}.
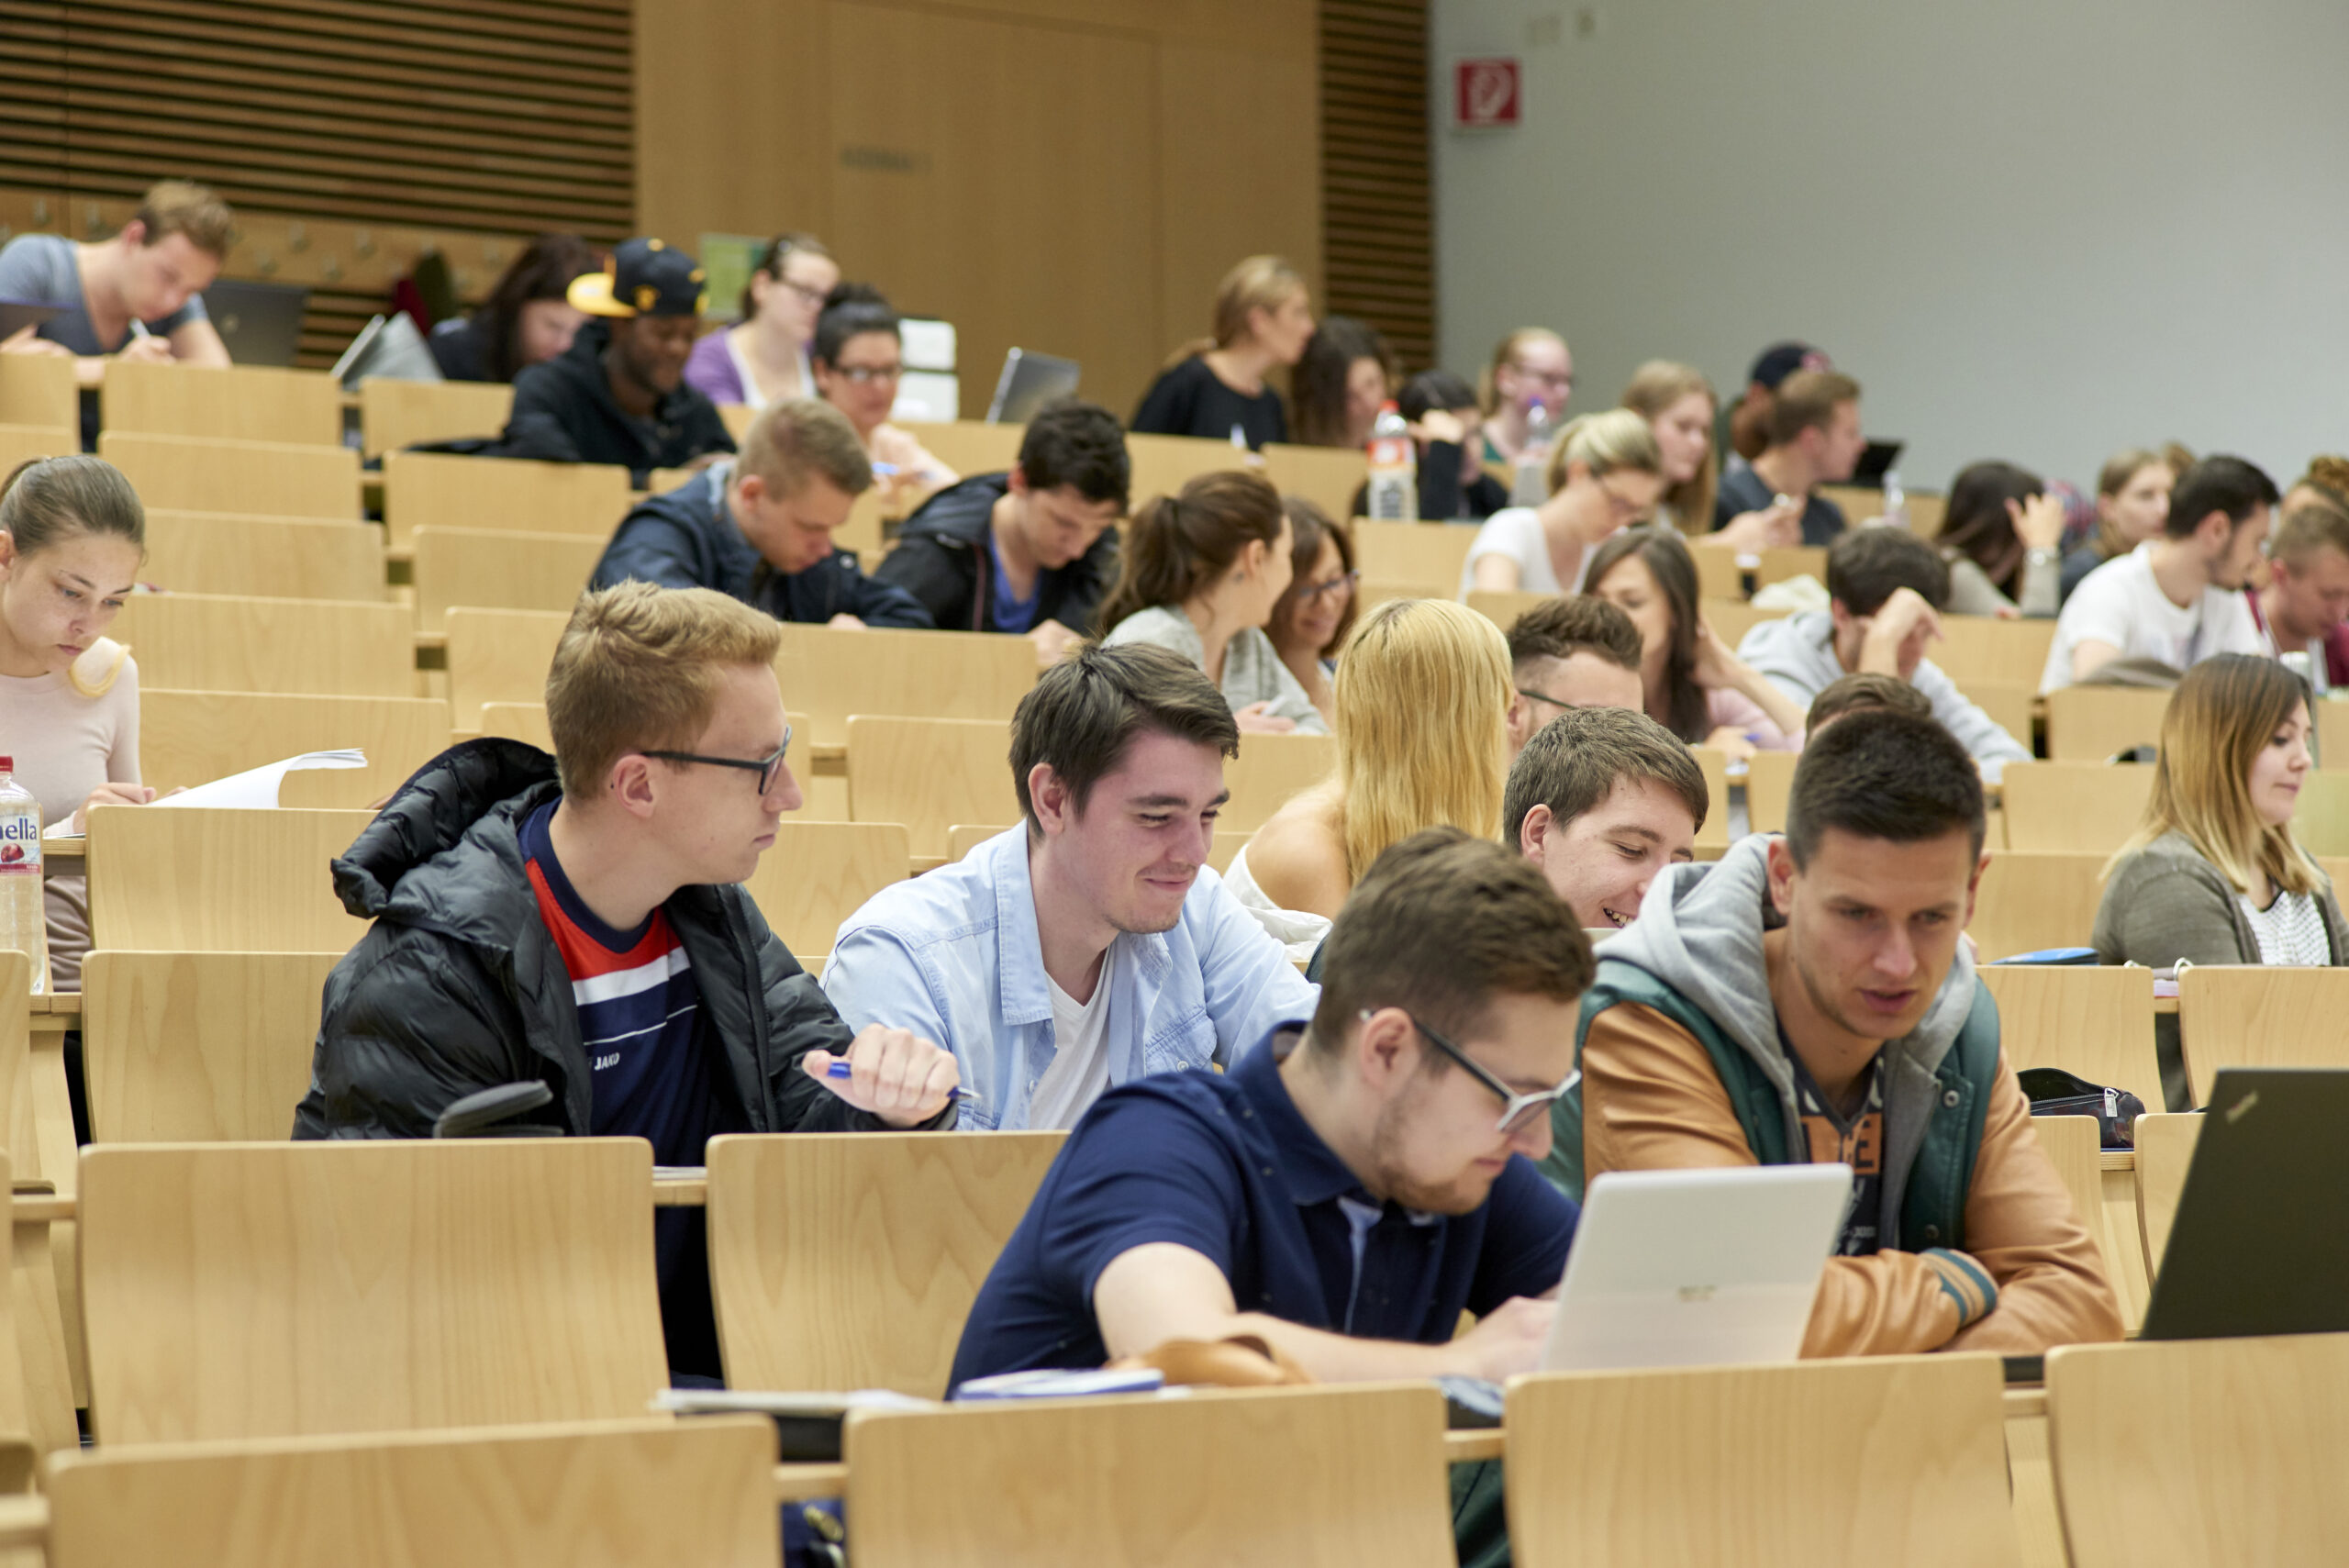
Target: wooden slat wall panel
{"type": "Point", "coordinates": [1378, 232]}
{"type": "Point", "coordinates": [489, 120]}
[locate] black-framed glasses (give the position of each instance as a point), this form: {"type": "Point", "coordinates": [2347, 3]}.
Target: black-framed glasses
{"type": "Point", "coordinates": [1544, 696]}
{"type": "Point", "coordinates": [1343, 582]}
{"type": "Point", "coordinates": [861, 374]}
{"type": "Point", "coordinates": [1516, 1110]}
{"type": "Point", "coordinates": [768, 768]}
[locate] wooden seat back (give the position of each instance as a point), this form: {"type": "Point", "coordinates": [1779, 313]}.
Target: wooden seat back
{"type": "Point", "coordinates": [930, 774]}
{"type": "Point", "coordinates": [2030, 901]}
{"type": "Point", "coordinates": [40, 390]}
{"type": "Point", "coordinates": [819, 873]}
{"type": "Point", "coordinates": [2073, 807]}
{"type": "Point", "coordinates": [2259, 1016]}
{"type": "Point", "coordinates": [205, 642]}
{"type": "Point", "coordinates": [2090, 724]}
{"type": "Point", "coordinates": [2092, 1020]}
{"type": "Point", "coordinates": [1268, 771]}
{"type": "Point", "coordinates": [24, 443]}
{"type": "Point", "coordinates": [1327, 476]}
{"type": "Point", "coordinates": [264, 558]}
{"type": "Point", "coordinates": [498, 656]}
{"type": "Point", "coordinates": [191, 473]}
{"type": "Point", "coordinates": [1430, 553]}
{"type": "Point", "coordinates": [503, 493]}
{"type": "Point", "coordinates": [1993, 651]}
{"type": "Point", "coordinates": [199, 1047]}
{"type": "Point", "coordinates": [830, 674]}
{"type": "Point", "coordinates": [241, 402]}
{"type": "Point", "coordinates": [2165, 1143]}
{"type": "Point", "coordinates": [237, 882]}
{"type": "Point", "coordinates": [500, 569]}
{"type": "Point", "coordinates": [395, 414]}
{"type": "Point", "coordinates": [192, 738]}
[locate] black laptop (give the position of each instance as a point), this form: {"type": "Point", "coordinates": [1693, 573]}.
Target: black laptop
{"type": "Point", "coordinates": [1876, 461]}
{"type": "Point", "coordinates": [261, 323]}
{"type": "Point", "coordinates": [2261, 1243]}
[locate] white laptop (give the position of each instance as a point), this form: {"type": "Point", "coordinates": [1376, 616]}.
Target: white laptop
{"type": "Point", "coordinates": [1696, 1268]}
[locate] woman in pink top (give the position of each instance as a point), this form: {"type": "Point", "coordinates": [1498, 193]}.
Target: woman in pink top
{"type": "Point", "coordinates": [1697, 687]}
{"type": "Point", "coordinates": [71, 536]}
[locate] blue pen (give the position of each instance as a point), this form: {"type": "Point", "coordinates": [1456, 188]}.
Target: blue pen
{"type": "Point", "coordinates": [841, 1069]}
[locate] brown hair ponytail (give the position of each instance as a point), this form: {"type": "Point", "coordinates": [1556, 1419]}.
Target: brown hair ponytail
{"type": "Point", "coordinates": [1177, 545]}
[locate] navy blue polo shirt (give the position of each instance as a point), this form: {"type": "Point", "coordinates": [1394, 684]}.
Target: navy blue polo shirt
{"type": "Point", "coordinates": [1226, 1167]}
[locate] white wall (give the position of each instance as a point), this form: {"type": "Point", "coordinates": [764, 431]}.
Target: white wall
{"type": "Point", "coordinates": [2035, 229]}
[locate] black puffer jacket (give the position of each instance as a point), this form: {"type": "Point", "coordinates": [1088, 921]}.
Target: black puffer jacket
{"type": "Point", "coordinates": [458, 987]}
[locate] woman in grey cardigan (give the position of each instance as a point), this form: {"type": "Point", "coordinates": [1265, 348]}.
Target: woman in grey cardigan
{"type": "Point", "coordinates": [1201, 574]}
{"type": "Point", "coordinates": [2213, 875]}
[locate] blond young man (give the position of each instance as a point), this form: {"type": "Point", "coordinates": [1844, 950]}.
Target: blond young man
{"type": "Point", "coordinates": [574, 920]}
{"type": "Point", "coordinates": [135, 296]}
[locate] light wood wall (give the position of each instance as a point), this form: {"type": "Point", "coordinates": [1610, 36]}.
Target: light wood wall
{"type": "Point", "coordinates": [1065, 175]}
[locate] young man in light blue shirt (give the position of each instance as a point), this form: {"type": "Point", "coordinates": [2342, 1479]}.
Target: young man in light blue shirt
{"type": "Point", "coordinates": [1091, 945]}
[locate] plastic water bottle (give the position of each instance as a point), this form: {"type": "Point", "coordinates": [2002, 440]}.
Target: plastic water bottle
{"type": "Point", "coordinates": [1394, 469]}
{"type": "Point", "coordinates": [23, 926]}
{"type": "Point", "coordinates": [1895, 500]}
{"type": "Point", "coordinates": [1530, 486]}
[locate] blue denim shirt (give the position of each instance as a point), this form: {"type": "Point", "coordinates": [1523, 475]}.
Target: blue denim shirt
{"type": "Point", "coordinates": [953, 956]}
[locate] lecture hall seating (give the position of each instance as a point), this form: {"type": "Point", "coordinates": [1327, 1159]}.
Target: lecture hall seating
{"type": "Point", "coordinates": [206, 642]}
{"type": "Point", "coordinates": [186, 473]}
{"type": "Point", "coordinates": [192, 738]}
{"type": "Point", "coordinates": [242, 403]}
{"type": "Point", "coordinates": [263, 557]}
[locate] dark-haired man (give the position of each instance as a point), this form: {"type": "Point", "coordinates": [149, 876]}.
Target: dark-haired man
{"type": "Point", "coordinates": [1886, 589]}
{"type": "Point", "coordinates": [1860, 692]}
{"type": "Point", "coordinates": [618, 394]}
{"type": "Point", "coordinates": [1567, 653]}
{"type": "Point", "coordinates": [2176, 599]}
{"type": "Point", "coordinates": [1090, 945]}
{"type": "Point", "coordinates": [1029, 550]}
{"type": "Point", "coordinates": [1350, 1187]}
{"type": "Point", "coordinates": [1806, 1000]}
{"type": "Point", "coordinates": [1602, 800]}
{"type": "Point", "coordinates": [1814, 426]}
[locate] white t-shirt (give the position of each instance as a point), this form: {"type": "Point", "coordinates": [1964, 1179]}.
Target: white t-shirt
{"type": "Point", "coordinates": [1516, 532]}
{"type": "Point", "coordinates": [2119, 604]}
{"type": "Point", "coordinates": [1080, 1071]}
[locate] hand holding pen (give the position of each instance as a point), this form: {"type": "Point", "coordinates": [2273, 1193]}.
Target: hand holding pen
{"type": "Point", "coordinates": [894, 1075]}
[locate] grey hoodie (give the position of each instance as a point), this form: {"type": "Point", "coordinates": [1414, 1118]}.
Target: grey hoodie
{"type": "Point", "coordinates": [1797, 656]}
{"type": "Point", "coordinates": [1700, 931]}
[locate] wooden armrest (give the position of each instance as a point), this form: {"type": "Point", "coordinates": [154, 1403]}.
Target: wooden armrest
{"type": "Point", "coordinates": [805, 1483]}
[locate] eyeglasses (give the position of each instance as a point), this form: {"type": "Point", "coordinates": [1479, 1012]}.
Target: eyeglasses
{"type": "Point", "coordinates": [1621, 505]}
{"type": "Point", "coordinates": [1544, 696]}
{"type": "Point", "coordinates": [1517, 1110]}
{"type": "Point", "coordinates": [767, 768]}
{"type": "Point", "coordinates": [863, 374]}
{"type": "Point", "coordinates": [1547, 378]}
{"type": "Point", "coordinates": [814, 297]}
{"type": "Point", "coordinates": [1343, 582]}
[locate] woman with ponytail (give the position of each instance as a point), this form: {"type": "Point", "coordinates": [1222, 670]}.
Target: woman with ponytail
{"type": "Point", "coordinates": [1202, 573]}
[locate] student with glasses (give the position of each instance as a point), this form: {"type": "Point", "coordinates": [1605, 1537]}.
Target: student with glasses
{"type": "Point", "coordinates": [1531, 365]}
{"type": "Point", "coordinates": [577, 920]}
{"type": "Point", "coordinates": [762, 359]}
{"type": "Point", "coordinates": [1569, 653]}
{"type": "Point", "coordinates": [1314, 615]}
{"type": "Point", "coordinates": [1606, 474]}
{"type": "Point", "coordinates": [859, 359]}
{"type": "Point", "coordinates": [1355, 1183]}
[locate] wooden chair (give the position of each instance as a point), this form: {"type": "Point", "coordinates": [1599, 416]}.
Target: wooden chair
{"type": "Point", "coordinates": [819, 873]}
{"type": "Point", "coordinates": [202, 642]}
{"type": "Point", "coordinates": [192, 738]}
{"type": "Point", "coordinates": [38, 1118]}
{"type": "Point", "coordinates": [500, 569]}
{"type": "Point", "coordinates": [1164, 464]}
{"type": "Point", "coordinates": [2104, 1203]}
{"type": "Point", "coordinates": [849, 1260]}
{"type": "Point", "coordinates": [226, 881]}
{"type": "Point", "coordinates": [264, 558]}
{"type": "Point", "coordinates": [1502, 609]}
{"type": "Point", "coordinates": [396, 414]}
{"type": "Point", "coordinates": [971, 446]}
{"type": "Point", "coordinates": [1432, 553]}
{"type": "Point", "coordinates": [2259, 1016]}
{"type": "Point", "coordinates": [501, 493]}
{"type": "Point", "coordinates": [962, 838]}
{"type": "Point", "coordinates": [2090, 724]}
{"type": "Point", "coordinates": [249, 1290]}
{"type": "Point", "coordinates": [1764, 1466]}
{"type": "Point", "coordinates": [2012, 708]}
{"type": "Point", "coordinates": [498, 656]}
{"type": "Point", "coordinates": [199, 1047]}
{"type": "Point", "coordinates": [20, 1437]}
{"type": "Point", "coordinates": [1371, 593]}
{"type": "Point", "coordinates": [1993, 651]}
{"type": "Point", "coordinates": [187, 473]}
{"type": "Point", "coordinates": [2028, 902]}
{"type": "Point", "coordinates": [928, 774]}
{"type": "Point", "coordinates": [2165, 1153]}
{"type": "Point", "coordinates": [830, 674]}
{"type": "Point", "coordinates": [646, 1490]}
{"type": "Point", "coordinates": [1858, 502]}
{"type": "Point", "coordinates": [2073, 807]}
{"type": "Point", "coordinates": [738, 417]}
{"type": "Point", "coordinates": [23, 443]}
{"type": "Point", "coordinates": [1769, 781]}
{"type": "Point", "coordinates": [1216, 1478]}
{"type": "Point", "coordinates": [241, 402]}
{"type": "Point", "coordinates": [1732, 618]}
{"type": "Point", "coordinates": [1712, 838]}
{"type": "Point", "coordinates": [1720, 577]}
{"type": "Point", "coordinates": [2332, 735]}
{"type": "Point", "coordinates": [1784, 561]}
{"type": "Point", "coordinates": [2196, 1452]}
{"type": "Point", "coordinates": [2092, 1020]}
{"type": "Point", "coordinates": [1327, 476]}
{"type": "Point", "coordinates": [2321, 823]}
{"type": "Point", "coordinates": [1270, 769]}
{"type": "Point", "coordinates": [40, 390]}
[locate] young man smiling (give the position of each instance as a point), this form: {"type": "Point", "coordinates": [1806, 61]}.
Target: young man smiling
{"type": "Point", "coordinates": [1090, 945]}
{"type": "Point", "coordinates": [1806, 999]}
{"type": "Point", "coordinates": [1602, 800]}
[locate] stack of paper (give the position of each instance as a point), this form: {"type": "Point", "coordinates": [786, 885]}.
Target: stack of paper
{"type": "Point", "coordinates": [257, 788]}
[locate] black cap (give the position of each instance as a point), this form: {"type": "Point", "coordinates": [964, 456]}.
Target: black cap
{"type": "Point", "coordinates": [644, 278]}
{"type": "Point", "coordinates": [1780, 360]}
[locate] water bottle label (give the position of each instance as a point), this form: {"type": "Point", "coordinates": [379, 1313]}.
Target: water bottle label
{"type": "Point", "coordinates": [20, 843]}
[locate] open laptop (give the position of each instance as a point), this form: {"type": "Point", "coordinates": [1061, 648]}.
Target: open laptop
{"type": "Point", "coordinates": [1696, 1268]}
{"type": "Point", "coordinates": [387, 346]}
{"type": "Point", "coordinates": [1876, 461]}
{"type": "Point", "coordinates": [1029, 382]}
{"type": "Point", "coordinates": [16, 315]}
{"type": "Point", "coordinates": [2261, 1242]}
{"type": "Point", "coordinates": [261, 323]}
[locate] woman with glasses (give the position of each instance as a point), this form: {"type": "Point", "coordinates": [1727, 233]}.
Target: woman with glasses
{"type": "Point", "coordinates": [1215, 387]}
{"type": "Point", "coordinates": [763, 359]}
{"type": "Point", "coordinates": [858, 358]}
{"type": "Point", "coordinates": [1531, 365]}
{"type": "Point", "coordinates": [1422, 709]}
{"type": "Point", "coordinates": [1313, 618]}
{"type": "Point", "coordinates": [1606, 474]}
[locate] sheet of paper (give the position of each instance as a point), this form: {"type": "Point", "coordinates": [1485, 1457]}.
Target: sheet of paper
{"type": "Point", "coordinates": [257, 788]}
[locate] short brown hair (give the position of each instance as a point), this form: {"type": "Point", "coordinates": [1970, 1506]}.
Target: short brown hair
{"type": "Point", "coordinates": [1573, 762]}
{"type": "Point", "coordinates": [1807, 401]}
{"type": "Point", "coordinates": [794, 441]}
{"type": "Point", "coordinates": [1883, 774]}
{"type": "Point", "coordinates": [2311, 526]}
{"type": "Point", "coordinates": [1443, 925]}
{"type": "Point", "coordinates": [1088, 708]}
{"type": "Point", "coordinates": [179, 206]}
{"type": "Point", "coordinates": [1865, 690]}
{"type": "Point", "coordinates": [1560, 629]}
{"type": "Point", "coordinates": [637, 670]}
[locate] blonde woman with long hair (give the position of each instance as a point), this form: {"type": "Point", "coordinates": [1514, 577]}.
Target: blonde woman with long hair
{"type": "Point", "coordinates": [1677, 402]}
{"type": "Point", "coordinates": [1422, 709]}
{"type": "Point", "coordinates": [2213, 875]}
{"type": "Point", "coordinates": [1606, 474]}
{"type": "Point", "coordinates": [1215, 387]}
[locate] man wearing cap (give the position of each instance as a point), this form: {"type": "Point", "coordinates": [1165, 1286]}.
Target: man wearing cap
{"type": "Point", "coordinates": [619, 394]}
